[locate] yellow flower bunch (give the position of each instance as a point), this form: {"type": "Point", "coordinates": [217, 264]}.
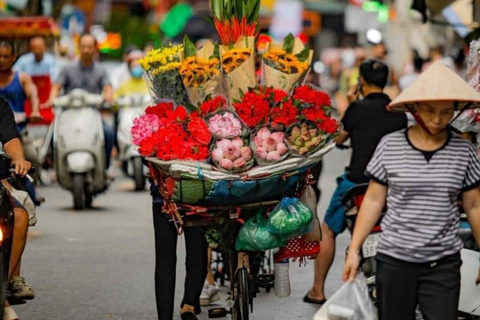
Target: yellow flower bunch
{"type": "Point", "coordinates": [169, 66]}
{"type": "Point", "coordinates": [195, 72]}
{"type": "Point", "coordinates": [285, 62]}
{"type": "Point", "coordinates": [234, 58]}
{"type": "Point", "coordinates": [162, 59]}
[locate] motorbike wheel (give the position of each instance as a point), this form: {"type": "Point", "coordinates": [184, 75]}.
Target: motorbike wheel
{"type": "Point", "coordinates": [78, 188]}
{"type": "Point", "coordinates": [138, 174]}
{"type": "Point", "coordinates": [241, 310]}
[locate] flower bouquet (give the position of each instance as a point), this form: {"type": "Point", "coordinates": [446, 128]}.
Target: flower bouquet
{"type": "Point", "coordinates": [237, 26]}
{"type": "Point", "coordinates": [225, 124]}
{"type": "Point", "coordinates": [254, 106]}
{"type": "Point", "coordinates": [232, 155]}
{"type": "Point", "coordinates": [304, 138]}
{"type": "Point", "coordinates": [171, 134]}
{"type": "Point", "coordinates": [285, 65]}
{"type": "Point", "coordinates": [269, 146]}
{"type": "Point", "coordinates": [200, 71]}
{"type": "Point", "coordinates": [162, 76]}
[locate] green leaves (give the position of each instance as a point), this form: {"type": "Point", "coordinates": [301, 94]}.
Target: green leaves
{"type": "Point", "coordinates": [227, 9]}
{"type": "Point", "coordinates": [216, 52]}
{"type": "Point", "coordinates": [303, 55]}
{"type": "Point", "coordinates": [288, 43]}
{"type": "Point", "coordinates": [189, 47]}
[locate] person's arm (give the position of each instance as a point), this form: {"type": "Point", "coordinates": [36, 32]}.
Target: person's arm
{"type": "Point", "coordinates": [14, 148]}
{"type": "Point", "coordinates": [342, 137]}
{"type": "Point", "coordinates": [57, 84]}
{"type": "Point", "coordinates": [107, 88]}
{"type": "Point", "coordinates": [32, 95]}
{"type": "Point", "coordinates": [370, 212]}
{"type": "Point", "coordinates": [108, 94]}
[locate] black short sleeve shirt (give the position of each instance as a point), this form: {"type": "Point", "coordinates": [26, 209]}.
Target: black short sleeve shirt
{"type": "Point", "coordinates": [8, 128]}
{"type": "Point", "coordinates": [367, 121]}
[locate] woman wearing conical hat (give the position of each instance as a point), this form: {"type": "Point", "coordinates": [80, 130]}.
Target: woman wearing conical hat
{"type": "Point", "coordinates": [419, 173]}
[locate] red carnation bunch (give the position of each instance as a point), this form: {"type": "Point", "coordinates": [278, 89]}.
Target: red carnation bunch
{"type": "Point", "coordinates": [284, 114]}
{"type": "Point", "coordinates": [254, 108]}
{"type": "Point", "coordinates": [316, 115]}
{"type": "Point", "coordinates": [307, 95]}
{"type": "Point", "coordinates": [181, 137]}
{"type": "Point", "coordinates": [160, 109]}
{"type": "Point", "coordinates": [329, 126]}
{"type": "Point", "coordinates": [276, 95]}
{"type": "Point", "coordinates": [213, 105]}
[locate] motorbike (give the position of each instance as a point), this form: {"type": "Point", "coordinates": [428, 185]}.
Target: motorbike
{"type": "Point", "coordinates": [78, 144]}
{"type": "Point", "coordinates": [131, 106]}
{"type": "Point", "coordinates": [6, 228]}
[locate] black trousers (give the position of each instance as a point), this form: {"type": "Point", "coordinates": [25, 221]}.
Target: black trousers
{"type": "Point", "coordinates": [166, 263]}
{"type": "Point", "coordinates": [434, 286]}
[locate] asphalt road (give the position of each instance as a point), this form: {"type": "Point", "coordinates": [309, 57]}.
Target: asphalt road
{"type": "Point", "coordinates": [98, 264]}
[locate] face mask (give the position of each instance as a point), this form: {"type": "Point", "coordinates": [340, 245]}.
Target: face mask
{"type": "Point", "coordinates": [136, 72]}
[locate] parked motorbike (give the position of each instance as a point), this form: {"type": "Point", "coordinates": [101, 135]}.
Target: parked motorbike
{"type": "Point", "coordinates": [79, 152]}
{"type": "Point", "coordinates": [131, 106]}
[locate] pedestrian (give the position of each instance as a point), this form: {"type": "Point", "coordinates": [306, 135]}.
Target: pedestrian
{"type": "Point", "coordinates": [419, 172]}
{"type": "Point", "coordinates": [166, 237]}
{"type": "Point", "coordinates": [365, 122]}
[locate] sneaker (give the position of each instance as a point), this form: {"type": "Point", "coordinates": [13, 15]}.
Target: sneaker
{"type": "Point", "coordinates": [209, 294]}
{"type": "Point", "coordinates": [19, 289]}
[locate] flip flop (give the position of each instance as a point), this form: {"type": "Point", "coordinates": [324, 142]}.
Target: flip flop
{"type": "Point", "coordinates": [188, 316]}
{"type": "Point", "coordinates": [306, 299]}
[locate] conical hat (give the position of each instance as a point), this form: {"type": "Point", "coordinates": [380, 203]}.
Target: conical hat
{"type": "Point", "coordinates": [437, 83]}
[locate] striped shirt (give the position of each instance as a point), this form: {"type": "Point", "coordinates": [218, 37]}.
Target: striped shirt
{"type": "Point", "coordinates": [422, 219]}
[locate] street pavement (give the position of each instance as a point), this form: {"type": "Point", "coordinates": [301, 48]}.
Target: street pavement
{"type": "Point", "coordinates": [98, 264]}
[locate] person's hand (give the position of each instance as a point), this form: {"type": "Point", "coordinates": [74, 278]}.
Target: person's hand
{"type": "Point", "coordinates": [351, 265]}
{"type": "Point", "coordinates": [47, 104]}
{"type": "Point", "coordinates": [353, 94]}
{"type": "Point", "coordinates": [477, 281]}
{"type": "Point", "coordinates": [21, 167]}
{"type": "Point", "coordinates": [35, 116]}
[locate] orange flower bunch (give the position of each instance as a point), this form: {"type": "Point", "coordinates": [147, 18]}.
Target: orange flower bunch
{"type": "Point", "coordinates": [235, 58]}
{"type": "Point", "coordinates": [285, 62]}
{"type": "Point", "coordinates": [196, 72]}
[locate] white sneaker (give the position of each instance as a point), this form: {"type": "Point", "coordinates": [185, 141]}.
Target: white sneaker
{"type": "Point", "coordinates": [209, 294]}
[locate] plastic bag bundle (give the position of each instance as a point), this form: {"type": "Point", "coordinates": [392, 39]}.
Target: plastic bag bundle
{"type": "Point", "coordinates": [350, 302]}
{"type": "Point", "coordinates": [254, 236]}
{"type": "Point", "coordinates": [290, 218]}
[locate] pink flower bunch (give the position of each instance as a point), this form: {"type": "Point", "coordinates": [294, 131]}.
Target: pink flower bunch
{"type": "Point", "coordinates": [231, 154]}
{"type": "Point", "coordinates": [144, 127]}
{"type": "Point", "coordinates": [270, 145]}
{"type": "Point", "coordinates": [225, 125]}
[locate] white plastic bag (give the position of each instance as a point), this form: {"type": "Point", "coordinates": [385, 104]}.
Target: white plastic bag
{"type": "Point", "coordinates": [350, 302]}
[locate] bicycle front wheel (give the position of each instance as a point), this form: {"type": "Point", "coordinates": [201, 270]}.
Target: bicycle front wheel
{"type": "Point", "coordinates": [241, 310]}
